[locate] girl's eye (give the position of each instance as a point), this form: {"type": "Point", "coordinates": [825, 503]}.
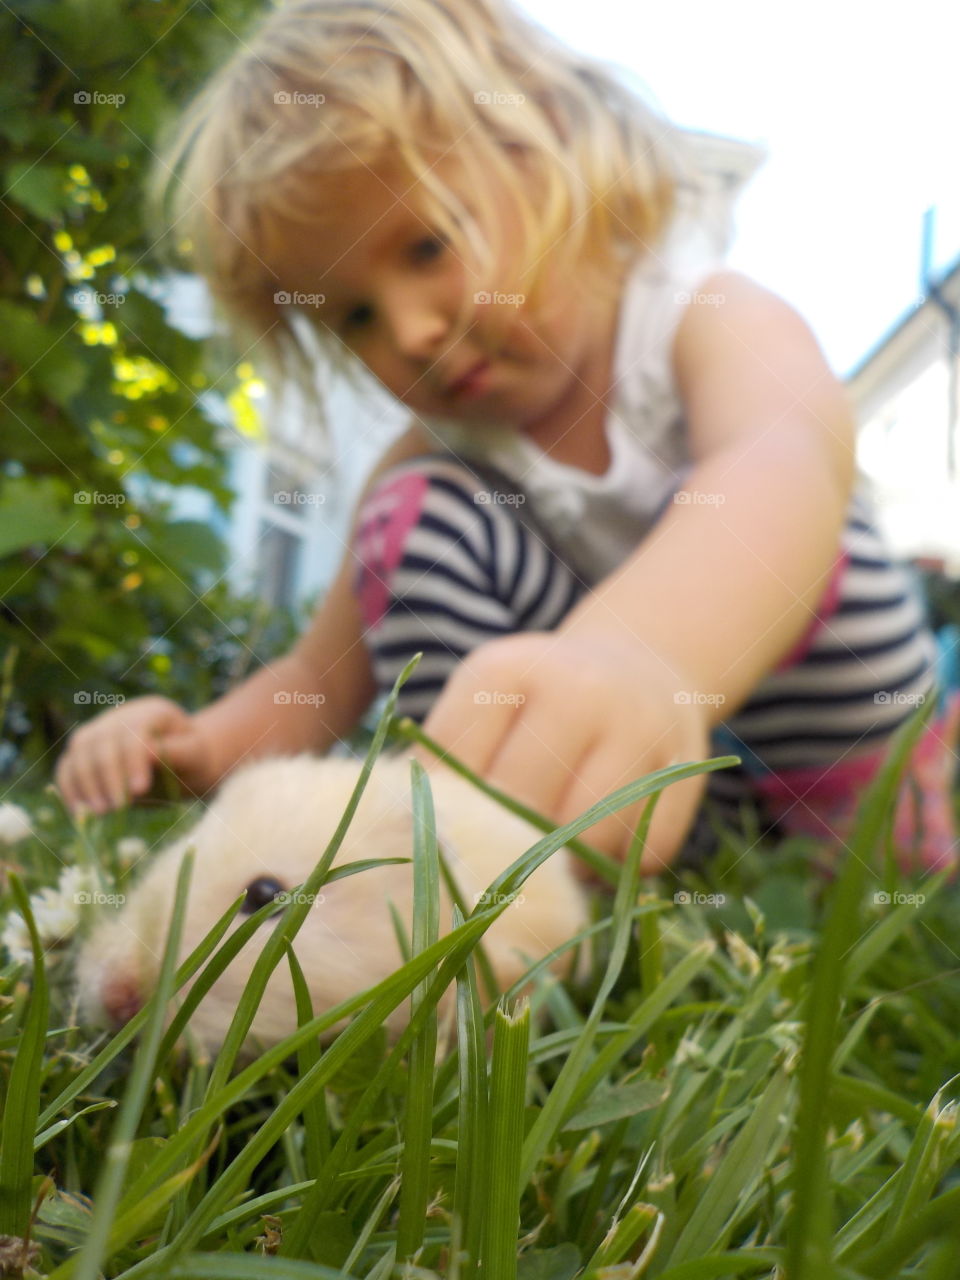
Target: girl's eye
{"type": "Point", "coordinates": [358, 317]}
{"type": "Point", "coordinates": [428, 248]}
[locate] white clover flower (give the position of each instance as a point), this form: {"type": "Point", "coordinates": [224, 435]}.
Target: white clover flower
{"type": "Point", "coordinates": [15, 938]}
{"type": "Point", "coordinates": [56, 912]}
{"type": "Point", "coordinates": [131, 849]}
{"type": "Point", "coordinates": [15, 824]}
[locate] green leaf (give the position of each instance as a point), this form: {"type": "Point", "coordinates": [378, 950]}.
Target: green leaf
{"type": "Point", "coordinates": [560, 1263]}
{"type": "Point", "coordinates": [618, 1103]}
{"type": "Point", "coordinates": [39, 188]}
{"type": "Point", "coordinates": [43, 355]}
{"type": "Point", "coordinates": [31, 513]}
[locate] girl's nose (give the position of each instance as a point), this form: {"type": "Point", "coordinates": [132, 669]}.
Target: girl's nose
{"type": "Point", "coordinates": [418, 325]}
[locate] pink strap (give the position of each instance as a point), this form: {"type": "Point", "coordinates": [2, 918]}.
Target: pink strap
{"type": "Point", "coordinates": [823, 803]}
{"type": "Point", "coordinates": [829, 603]}
{"type": "Point", "coordinates": [388, 515]}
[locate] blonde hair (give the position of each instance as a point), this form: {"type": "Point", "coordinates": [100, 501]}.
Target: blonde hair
{"type": "Point", "coordinates": [324, 85]}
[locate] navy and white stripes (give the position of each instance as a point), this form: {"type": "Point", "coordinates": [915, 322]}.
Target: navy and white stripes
{"type": "Point", "coordinates": [476, 565]}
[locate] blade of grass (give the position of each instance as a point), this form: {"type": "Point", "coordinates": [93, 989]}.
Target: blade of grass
{"type": "Point", "coordinates": [297, 910]}
{"type": "Point", "coordinates": [939, 1219]}
{"type": "Point", "coordinates": [316, 1122]}
{"type": "Point", "coordinates": [88, 1263]}
{"type": "Point", "coordinates": [22, 1102]}
{"type": "Point", "coordinates": [738, 1173]}
{"type": "Point", "coordinates": [932, 1152]}
{"type": "Point", "coordinates": [418, 1127]}
{"type": "Point", "coordinates": [245, 1266]}
{"type": "Point", "coordinates": [809, 1229]}
{"type": "Point", "coordinates": [501, 1194]}
{"type": "Point", "coordinates": [370, 1226]}
{"type": "Point", "coordinates": [557, 1106]}
{"type": "Point", "coordinates": [606, 867]}
{"type": "Point", "coordinates": [472, 1119]}
{"type": "Point", "coordinates": [741, 1262]}
{"type": "Point", "coordinates": [123, 1037]}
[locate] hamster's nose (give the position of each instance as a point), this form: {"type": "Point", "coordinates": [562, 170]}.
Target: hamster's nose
{"type": "Point", "coordinates": [121, 999]}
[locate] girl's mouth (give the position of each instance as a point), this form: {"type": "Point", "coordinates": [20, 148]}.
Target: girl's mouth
{"type": "Point", "coordinates": [471, 384]}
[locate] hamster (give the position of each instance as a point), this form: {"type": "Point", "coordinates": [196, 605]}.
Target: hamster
{"type": "Point", "coordinates": [266, 829]}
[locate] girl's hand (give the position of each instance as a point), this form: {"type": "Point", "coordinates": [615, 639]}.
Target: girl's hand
{"type": "Point", "coordinates": [111, 759]}
{"type": "Point", "coordinates": [559, 721]}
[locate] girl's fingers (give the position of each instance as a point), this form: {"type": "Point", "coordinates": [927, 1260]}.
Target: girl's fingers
{"type": "Point", "coordinates": [467, 721]}
{"type": "Point", "coordinates": [540, 757]}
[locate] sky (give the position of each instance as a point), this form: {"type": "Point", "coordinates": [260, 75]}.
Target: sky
{"type": "Point", "coordinates": [856, 104]}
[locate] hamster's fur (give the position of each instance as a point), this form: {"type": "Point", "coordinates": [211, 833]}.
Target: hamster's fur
{"type": "Point", "coordinates": [274, 819]}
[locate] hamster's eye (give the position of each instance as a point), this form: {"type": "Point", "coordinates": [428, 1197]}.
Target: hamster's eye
{"type": "Point", "coordinates": [259, 892]}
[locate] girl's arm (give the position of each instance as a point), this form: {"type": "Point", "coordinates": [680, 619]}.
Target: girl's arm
{"type": "Point", "coordinates": [715, 595]}
{"type": "Point", "coordinates": [726, 583]}
{"type": "Point", "coordinates": [303, 701]}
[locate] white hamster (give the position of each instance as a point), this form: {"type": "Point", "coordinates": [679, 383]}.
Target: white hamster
{"type": "Point", "coordinates": [267, 828]}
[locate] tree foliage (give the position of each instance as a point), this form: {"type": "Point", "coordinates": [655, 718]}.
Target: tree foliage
{"type": "Point", "coordinates": [101, 585]}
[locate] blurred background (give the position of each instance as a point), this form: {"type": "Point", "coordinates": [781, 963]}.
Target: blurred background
{"type": "Point", "coordinates": [165, 526]}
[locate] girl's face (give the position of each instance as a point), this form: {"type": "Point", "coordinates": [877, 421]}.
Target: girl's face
{"type": "Point", "coordinates": [390, 288]}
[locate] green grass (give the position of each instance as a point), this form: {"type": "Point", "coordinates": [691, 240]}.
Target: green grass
{"type": "Point", "coordinates": [756, 1082]}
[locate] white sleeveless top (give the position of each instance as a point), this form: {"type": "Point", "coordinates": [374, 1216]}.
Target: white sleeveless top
{"type": "Point", "coordinates": [596, 521]}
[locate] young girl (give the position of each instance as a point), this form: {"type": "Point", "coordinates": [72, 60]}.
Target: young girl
{"type": "Point", "coordinates": [622, 525]}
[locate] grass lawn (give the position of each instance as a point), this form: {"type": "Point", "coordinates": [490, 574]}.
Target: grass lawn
{"type": "Point", "coordinates": [752, 1076]}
